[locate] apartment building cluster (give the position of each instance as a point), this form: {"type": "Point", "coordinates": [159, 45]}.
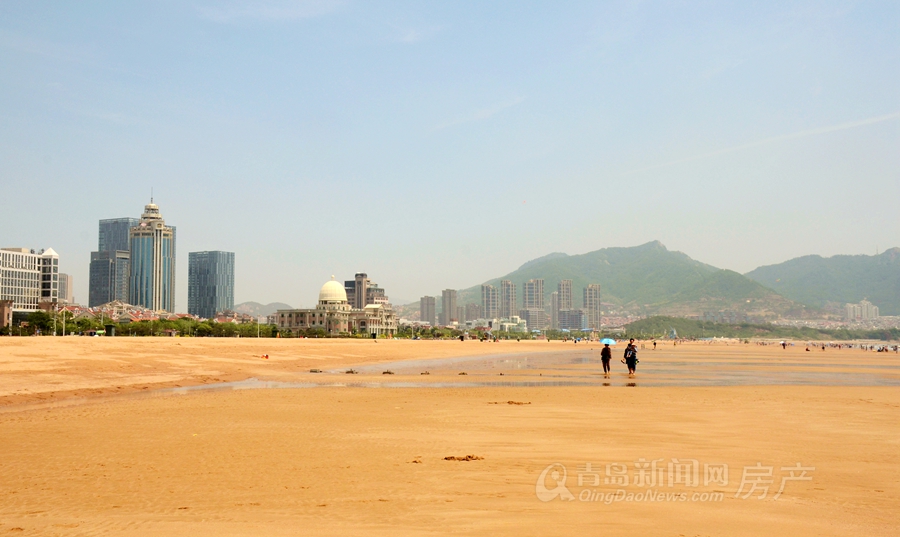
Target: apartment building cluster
{"type": "Point", "coordinates": [864, 311]}
{"type": "Point", "coordinates": [500, 307]}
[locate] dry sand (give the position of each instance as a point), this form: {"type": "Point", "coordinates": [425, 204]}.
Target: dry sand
{"type": "Point", "coordinates": [344, 461]}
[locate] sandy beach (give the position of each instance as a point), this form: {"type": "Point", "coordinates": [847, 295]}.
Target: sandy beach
{"type": "Point", "coordinates": [93, 444]}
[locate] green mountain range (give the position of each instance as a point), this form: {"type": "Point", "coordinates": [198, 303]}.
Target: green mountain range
{"type": "Point", "coordinates": [647, 279]}
{"type": "Point", "coordinates": [651, 280]}
{"type": "Point", "coordinates": [833, 281]}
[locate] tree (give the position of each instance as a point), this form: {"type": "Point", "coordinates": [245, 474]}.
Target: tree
{"type": "Point", "coordinates": [39, 320]}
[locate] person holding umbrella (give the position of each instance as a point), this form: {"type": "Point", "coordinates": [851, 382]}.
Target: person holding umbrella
{"type": "Point", "coordinates": [606, 354]}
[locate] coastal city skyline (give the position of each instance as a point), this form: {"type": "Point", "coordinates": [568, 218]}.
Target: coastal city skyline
{"type": "Point", "coordinates": [136, 260]}
{"type": "Point", "coordinates": [767, 142]}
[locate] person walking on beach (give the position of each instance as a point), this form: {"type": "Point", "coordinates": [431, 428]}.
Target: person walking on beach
{"type": "Point", "coordinates": [630, 358]}
{"type": "Point", "coordinates": [605, 357]}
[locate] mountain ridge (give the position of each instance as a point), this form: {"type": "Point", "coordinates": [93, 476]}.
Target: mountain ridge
{"type": "Point", "coordinates": [831, 282]}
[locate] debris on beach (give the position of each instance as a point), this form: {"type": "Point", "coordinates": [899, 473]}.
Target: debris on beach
{"type": "Point", "coordinates": [315, 370]}
{"type": "Point", "coordinates": [387, 372]}
{"type": "Point", "coordinates": [463, 373]}
{"type": "Point", "coordinates": [424, 373]}
{"type": "Point", "coordinates": [351, 372]}
{"type": "Point", "coordinates": [466, 458]}
{"type": "Point", "coordinates": [509, 403]}
{"type": "Point", "coordinates": [417, 460]}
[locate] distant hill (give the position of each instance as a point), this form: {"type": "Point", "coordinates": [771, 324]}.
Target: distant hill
{"type": "Point", "coordinates": [833, 281]}
{"type": "Point", "coordinates": [256, 309]}
{"type": "Point", "coordinates": [647, 278]}
{"type": "Point", "coordinates": [728, 290]}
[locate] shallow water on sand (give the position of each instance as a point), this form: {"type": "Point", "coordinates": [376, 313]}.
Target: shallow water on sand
{"type": "Point", "coordinates": [572, 368]}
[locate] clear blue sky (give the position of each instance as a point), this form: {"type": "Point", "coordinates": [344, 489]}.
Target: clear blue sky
{"type": "Point", "coordinates": [440, 144]}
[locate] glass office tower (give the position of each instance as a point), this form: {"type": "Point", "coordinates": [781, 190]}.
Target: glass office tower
{"type": "Point", "coordinates": [110, 265]}
{"type": "Point", "coordinates": [152, 262]}
{"type": "Point", "coordinates": [210, 283]}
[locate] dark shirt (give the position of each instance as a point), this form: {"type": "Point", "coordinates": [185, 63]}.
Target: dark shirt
{"type": "Point", "coordinates": [605, 354]}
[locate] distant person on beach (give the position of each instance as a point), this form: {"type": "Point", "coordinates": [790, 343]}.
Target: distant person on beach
{"type": "Point", "coordinates": [654, 345]}
{"type": "Point", "coordinates": [630, 358]}
{"type": "Point", "coordinates": [605, 357]}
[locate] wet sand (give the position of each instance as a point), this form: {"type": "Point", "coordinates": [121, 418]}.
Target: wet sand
{"type": "Point", "coordinates": [343, 461]}
{"type": "Point", "coordinates": [41, 369]}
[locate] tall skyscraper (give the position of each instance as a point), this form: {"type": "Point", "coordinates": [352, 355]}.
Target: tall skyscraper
{"type": "Point", "coordinates": [426, 310]}
{"type": "Point", "coordinates": [210, 283]}
{"type": "Point", "coordinates": [153, 262]}
{"type": "Point", "coordinates": [592, 305]}
{"type": "Point", "coordinates": [115, 234]}
{"type": "Point", "coordinates": [490, 302]}
{"type": "Point", "coordinates": [533, 294]}
{"type": "Point", "coordinates": [508, 306]}
{"type": "Point", "coordinates": [110, 270]}
{"type": "Point", "coordinates": [109, 277]}
{"type": "Point", "coordinates": [448, 306]}
{"type": "Point", "coordinates": [565, 294]}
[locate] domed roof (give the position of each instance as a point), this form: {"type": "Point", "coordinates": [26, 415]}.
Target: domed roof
{"type": "Point", "coordinates": [332, 291]}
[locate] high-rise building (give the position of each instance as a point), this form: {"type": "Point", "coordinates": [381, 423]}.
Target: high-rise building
{"type": "Point", "coordinates": [361, 291]}
{"type": "Point", "coordinates": [66, 289]}
{"type": "Point", "coordinates": [28, 278]}
{"type": "Point", "coordinates": [109, 277]}
{"type": "Point", "coordinates": [533, 294]}
{"type": "Point", "coordinates": [461, 314]}
{"type": "Point", "coordinates": [358, 290]}
{"type": "Point", "coordinates": [473, 311]}
{"type": "Point", "coordinates": [210, 283]}
{"type": "Point", "coordinates": [448, 306]}
{"type": "Point", "coordinates": [508, 306]}
{"type": "Point", "coordinates": [592, 305]}
{"type": "Point", "coordinates": [533, 305]}
{"type": "Point", "coordinates": [110, 270]}
{"type": "Point", "coordinates": [153, 262]}
{"type": "Point", "coordinates": [572, 319]}
{"type": "Point", "coordinates": [426, 310]}
{"type": "Point", "coordinates": [554, 310]}
{"type": "Point", "coordinates": [564, 288]}
{"type": "Point", "coordinates": [490, 302]}
{"type": "Point", "coordinates": [115, 234]}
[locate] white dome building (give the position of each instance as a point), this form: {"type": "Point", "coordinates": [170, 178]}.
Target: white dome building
{"type": "Point", "coordinates": [336, 316]}
{"type": "Point", "coordinates": [332, 293]}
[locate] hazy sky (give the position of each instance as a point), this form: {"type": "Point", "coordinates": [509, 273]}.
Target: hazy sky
{"type": "Point", "coordinates": [440, 144]}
